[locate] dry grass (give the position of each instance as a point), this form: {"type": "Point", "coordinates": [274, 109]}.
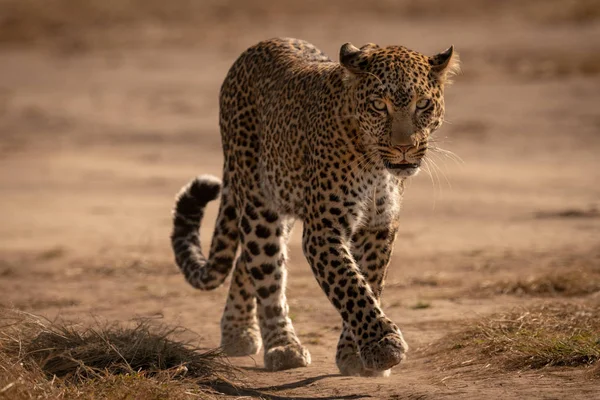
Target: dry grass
{"type": "Point", "coordinates": [421, 305]}
{"type": "Point", "coordinates": [42, 359]}
{"type": "Point", "coordinates": [550, 335]}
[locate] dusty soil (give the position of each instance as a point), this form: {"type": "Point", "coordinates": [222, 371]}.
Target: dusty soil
{"type": "Point", "coordinates": [97, 135]}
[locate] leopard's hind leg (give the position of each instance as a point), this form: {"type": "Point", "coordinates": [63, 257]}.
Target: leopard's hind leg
{"type": "Point", "coordinates": [240, 334]}
{"type": "Point", "coordinates": [264, 234]}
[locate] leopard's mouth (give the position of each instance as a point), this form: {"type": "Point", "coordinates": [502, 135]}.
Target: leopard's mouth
{"type": "Point", "coordinates": [402, 165]}
{"type": "Point", "coordinates": [403, 168]}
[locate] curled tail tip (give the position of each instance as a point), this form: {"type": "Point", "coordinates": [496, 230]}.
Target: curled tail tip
{"type": "Point", "coordinates": [200, 272]}
{"type": "Point", "coordinates": [205, 188]}
{"type": "Point", "coordinates": [193, 198]}
{"type": "Point", "coordinates": [201, 190]}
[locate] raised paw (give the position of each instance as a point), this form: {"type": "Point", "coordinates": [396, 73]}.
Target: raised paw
{"type": "Point", "coordinates": [349, 363]}
{"type": "Point", "coordinates": [385, 353]}
{"type": "Point", "coordinates": [238, 343]}
{"type": "Point", "coordinates": [286, 357]}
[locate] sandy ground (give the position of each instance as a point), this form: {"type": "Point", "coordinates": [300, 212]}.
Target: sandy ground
{"type": "Point", "coordinates": [95, 142]}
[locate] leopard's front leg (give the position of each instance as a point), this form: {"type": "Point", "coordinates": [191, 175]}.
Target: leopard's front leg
{"type": "Point", "coordinates": [371, 249]}
{"type": "Point", "coordinates": [327, 246]}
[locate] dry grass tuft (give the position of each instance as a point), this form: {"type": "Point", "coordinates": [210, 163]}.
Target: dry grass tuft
{"type": "Point", "coordinates": [550, 335]}
{"type": "Point", "coordinates": [43, 359]}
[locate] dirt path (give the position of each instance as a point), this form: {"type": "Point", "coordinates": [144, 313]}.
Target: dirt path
{"type": "Point", "coordinates": [94, 145]}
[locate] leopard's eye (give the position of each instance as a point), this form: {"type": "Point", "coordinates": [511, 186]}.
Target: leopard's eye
{"type": "Point", "coordinates": [423, 104]}
{"type": "Point", "coordinates": [379, 105]}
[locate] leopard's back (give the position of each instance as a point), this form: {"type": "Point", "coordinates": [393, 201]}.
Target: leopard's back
{"type": "Point", "coordinates": [266, 104]}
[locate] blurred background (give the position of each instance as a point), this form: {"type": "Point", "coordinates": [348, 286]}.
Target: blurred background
{"type": "Point", "coordinates": [108, 107]}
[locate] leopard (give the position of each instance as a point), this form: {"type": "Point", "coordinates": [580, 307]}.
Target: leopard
{"type": "Point", "coordinates": [330, 144]}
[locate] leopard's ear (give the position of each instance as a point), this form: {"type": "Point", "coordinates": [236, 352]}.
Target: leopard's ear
{"type": "Point", "coordinates": [353, 58]}
{"type": "Point", "coordinates": [445, 64]}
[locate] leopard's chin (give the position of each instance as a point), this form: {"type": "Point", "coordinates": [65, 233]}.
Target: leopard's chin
{"type": "Point", "coordinates": [403, 169]}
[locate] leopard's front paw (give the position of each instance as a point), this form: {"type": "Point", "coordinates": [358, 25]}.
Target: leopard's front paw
{"type": "Point", "coordinates": [384, 353]}
{"type": "Point", "coordinates": [349, 363]}
{"type": "Point", "coordinates": [286, 357]}
{"type": "Point", "coordinates": [241, 342]}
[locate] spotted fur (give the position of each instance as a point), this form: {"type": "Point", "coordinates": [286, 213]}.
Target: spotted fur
{"type": "Point", "coordinates": [329, 144]}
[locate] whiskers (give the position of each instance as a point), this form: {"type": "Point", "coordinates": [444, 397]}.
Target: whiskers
{"type": "Point", "coordinates": [435, 149]}
{"type": "Point", "coordinates": [363, 162]}
{"type": "Point", "coordinates": [434, 165]}
{"type": "Point", "coordinates": [431, 167]}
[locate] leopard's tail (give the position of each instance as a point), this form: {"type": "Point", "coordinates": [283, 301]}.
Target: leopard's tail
{"type": "Point", "coordinates": [201, 272]}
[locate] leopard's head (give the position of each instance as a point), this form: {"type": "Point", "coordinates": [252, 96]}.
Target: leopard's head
{"type": "Point", "coordinates": [397, 99]}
